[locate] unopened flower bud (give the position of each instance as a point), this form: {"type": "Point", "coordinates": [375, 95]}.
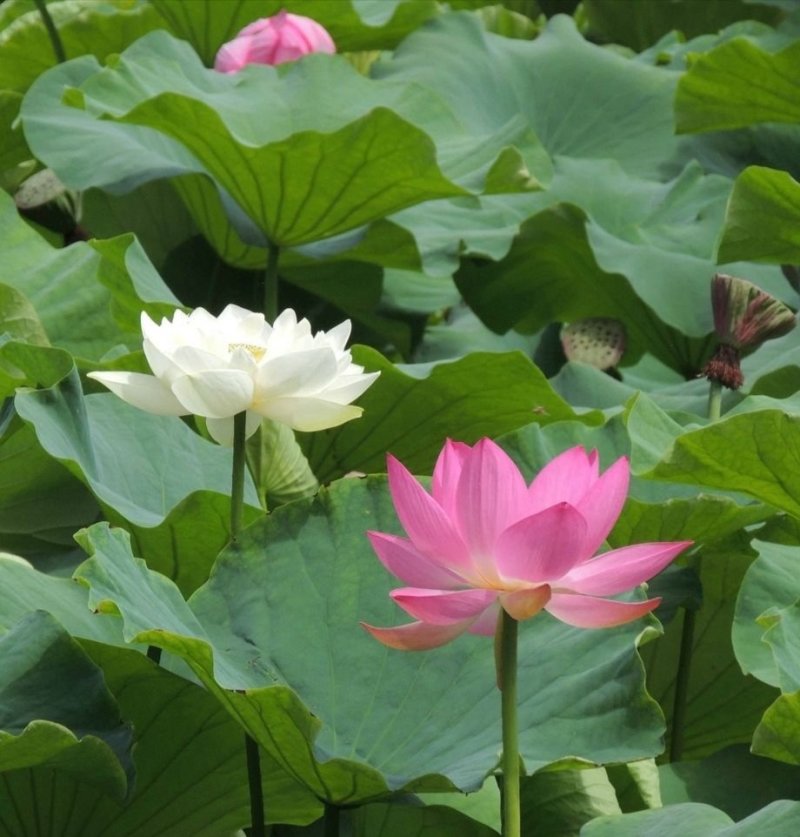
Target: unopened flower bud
{"type": "Point", "coordinates": [273, 40]}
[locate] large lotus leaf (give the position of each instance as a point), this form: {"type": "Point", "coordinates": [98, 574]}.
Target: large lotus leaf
{"type": "Point", "coordinates": [642, 24]}
{"type": "Point", "coordinates": [770, 583]}
{"type": "Point", "coordinates": [778, 735]}
{"type": "Point", "coordinates": [353, 24]}
{"type": "Point", "coordinates": [85, 295]}
{"type": "Point", "coordinates": [138, 464]}
{"type": "Point", "coordinates": [762, 218]}
{"type": "Point", "coordinates": [190, 767]}
{"type": "Point", "coordinates": [26, 589]}
{"type": "Point", "coordinates": [282, 611]}
{"type": "Point", "coordinates": [736, 85]}
{"type": "Point", "coordinates": [38, 496]}
{"type": "Point", "coordinates": [723, 706]}
{"type": "Point", "coordinates": [392, 820]}
{"type": "Point", "coordinates": [647, 258]}
{"type": "Point", "coordinates": [14, 150]}
{"type": "Point", "coordinates": [84, 27]}
{"type": "Point", "coordinates": [695, 820]}
{"type": "Point", "coordinates": [410, 411]}
{"type": "Point", "coordinates": [617, 109]}
{"type": "Point", "coordinates": [551, 274]}
{"type": "Point", "coordinates": [585, 386]}
{"type": "Point", "coordinates": [756, 453]}
{"type": "Point", "coordinates": [690, 819]}
{"type": "Point", "coordinates": [732, 779]}
{"type": "Point", "coordinates": [344, 149]}
{"type": "Point", "coordinates": [554, 802]}
{"type": "Point", "coordinates": [45, 722]}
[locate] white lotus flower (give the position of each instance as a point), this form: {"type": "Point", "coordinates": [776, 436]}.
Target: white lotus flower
{"type": "Point", "coordinates": [217, 367]}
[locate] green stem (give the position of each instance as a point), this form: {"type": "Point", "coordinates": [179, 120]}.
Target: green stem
{"type": "Point", "coordinates": [237, 506]}
{"type": "Point", "coordinates": [507, 670]}
{"type": "Point", "coordinates": [687, 628]}
{"type": "Point", "coordinates": [682, 685]}
{"type": "Point", "coordinates": [52, 31]}
{"type": "Point", "coordinates": [237, 480]}
{"type": "Point", "coordinates": [271, 283]}
{"type": "Point", "coordinates": [331, 820]}
{"type": "Point", "coordinates": [256, 793]}
{"type": "Point", "coordinates": [714, 400]}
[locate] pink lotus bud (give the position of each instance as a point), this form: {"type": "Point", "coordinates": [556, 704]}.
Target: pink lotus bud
{"type": "Point", "coordinates": [273, 40]}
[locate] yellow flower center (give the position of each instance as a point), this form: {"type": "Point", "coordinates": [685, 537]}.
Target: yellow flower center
{"type": "Point", "coordinates": [256, 351]}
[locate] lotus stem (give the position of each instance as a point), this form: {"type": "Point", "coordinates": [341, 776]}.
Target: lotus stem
{"type": "Point", "coordinates": [237, 479]}
{"type": "Point", "coordinates": [507, 680]}
{"type": "Point", "coordinates": [331, 821]}
{"type": "Point", "coordinates": [714, 400]}
{"type": "Point", "coordinates": [237, 507]}
{"type": "Point", "coordinates": [682, 685]}
{"type": "Point", "coordinates": [52, 31]}
{"type": "Point", "coordinates": [271, 282]}
{"type": "Point", "coordinates": [256, 793]}
{"type": "Point", "coordinates": [687, 627]}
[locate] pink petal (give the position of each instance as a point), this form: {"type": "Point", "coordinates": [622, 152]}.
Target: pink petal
{"type": "Point", "coordinates": [417, 636]}
{"type": "Point", "coordinates": [446, 474]}
{"type": "Point", "coordinates": [523, 604]}
{"type": "Point", "coordinates": [542, 547]}
{"type": "Point", "coordinates": [486, 623]}
{"type": "Point", "coordinates": [430, 529]}
{"type": "Point", "coordinates": [602, 504]}
{"type": "Point", "coordinates": [401, 559]}
{"type": "Point", "coordinates": [443, 607]}
{"type": "Point", "coordinates": [491, 494]}
{"type": "Point", "coordinates": [621, 569]}
{"type": "Point", "coordinates": [565, 479]}
{"type": "Point", "coordinates": [591, 612]}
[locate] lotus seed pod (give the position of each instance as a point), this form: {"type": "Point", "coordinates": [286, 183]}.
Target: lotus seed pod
{"type": "Point", "coordinates": [597, 341]}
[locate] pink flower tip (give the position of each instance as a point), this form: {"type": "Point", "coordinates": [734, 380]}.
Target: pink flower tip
{"type": "Point", "coordinates": [274, 40]}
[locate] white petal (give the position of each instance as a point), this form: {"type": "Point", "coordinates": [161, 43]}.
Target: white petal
{"type": "Point", "coordinates": [143, 391]}
{"type": "Point", "coordinates": [309, 414]}
{"type": "Point", "coordinates": [221, 429]}
{"type": "Point", "coordinates": [297, 373]}
{"type": "Point", "coordinates": [216, 393]}
{"type": "Point", "coordinates": [345, 391]}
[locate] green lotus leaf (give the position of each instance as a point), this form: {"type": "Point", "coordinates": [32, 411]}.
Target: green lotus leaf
{"type": "Point", "coordinates": [695, 820]}
{"type": "Point", "coordinates": [138, 464]}
{"type": "Point", "coordinates": [723, 706]}
{"type": "Point", "coordinates": [733, 779]}
{"type": "Point", "coordinates": [84, 27]}
{"type": "Point", "coordinates": [776, 737]}
{"type": "Point", "coordinates": [641, 25]}
{"type": "Point", "coordinates": [278, 624]}
{"type": "Point", "coordinates": [76, 729]}
{"type": "Point", "coordinates": [88, 297]}
{"type": "Point", "coordinates": [711, 96]}
{"type": "Point", "coordinates": [762, 218]}
{"type": "Point", "coordinates": [755, 453]}
{"type": "Point", "coordinates": [355, 151]}
{"type": "Point", "coordinates": [411, 410]}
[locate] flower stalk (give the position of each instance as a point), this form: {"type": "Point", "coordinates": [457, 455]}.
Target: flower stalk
{"type": "Point", "coordinates": [507, 681]}
{"type": "Point", "coordinates": [52, 31]}
{"type": "Point", "coordinates": [682, 685]}
{"type": "Point", "coordinates": [237, 508]}
{"type": "Point", "coordinates": [271, 281]}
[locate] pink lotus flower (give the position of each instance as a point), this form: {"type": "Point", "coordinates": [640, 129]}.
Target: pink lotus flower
{"type": "Point", "coordinates": [273, 40]}
{"type": "Point", "coordinates": [485, 540]}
